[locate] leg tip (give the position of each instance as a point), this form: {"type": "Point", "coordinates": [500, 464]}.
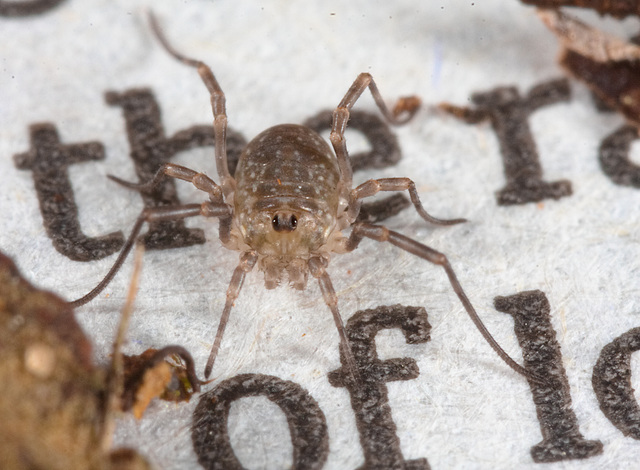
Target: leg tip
{"type": "Point", "coordinates": [406, 107]}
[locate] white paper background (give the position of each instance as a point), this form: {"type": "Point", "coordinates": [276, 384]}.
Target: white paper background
{"type": "Point", "coordinates": [280, 62]}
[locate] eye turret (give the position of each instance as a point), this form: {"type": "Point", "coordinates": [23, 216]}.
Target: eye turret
{"type": "Point", "coordinates": [284, 222]}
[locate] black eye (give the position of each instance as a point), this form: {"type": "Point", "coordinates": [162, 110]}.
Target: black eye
{"type": "Point", "coordinates": [284, 223]}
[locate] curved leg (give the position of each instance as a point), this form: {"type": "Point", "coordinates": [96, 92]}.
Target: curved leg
{"type": "Point", "coordinates": [373, 187]}
{"type": "Point", "coordinates": [155, 214]}
{"type": "Point", "coordinates": [218, 105]}
{"type": "Point", "coordinates": [247, 262]}
{"type": "Point", "coordinates": [171, 170]}
{"type": "Point", "coordinates": [383, 234]}
{"type": "Point", "coordinates": [317, 268]}
{"type": "Point", "coordinates": [404, 110]}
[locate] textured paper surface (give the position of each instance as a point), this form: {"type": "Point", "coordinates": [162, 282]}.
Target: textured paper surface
{"type": "Point", "coordinates": [284, 62]}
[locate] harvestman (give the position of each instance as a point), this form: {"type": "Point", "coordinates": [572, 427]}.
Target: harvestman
{"type": "Point", "coordinates": [288, 204]}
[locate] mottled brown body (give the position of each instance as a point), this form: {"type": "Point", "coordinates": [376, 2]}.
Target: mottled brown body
{"type": "Point", "coordinates": [287, 200]}
{"type": "Point", "coordinates": [288, 161]}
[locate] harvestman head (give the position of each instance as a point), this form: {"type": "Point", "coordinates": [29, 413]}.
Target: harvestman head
{"type": "Point", "coordinates": [287, 205]}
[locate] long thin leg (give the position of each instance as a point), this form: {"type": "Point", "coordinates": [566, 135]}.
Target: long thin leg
{"type": "Point", "coordinates": [403, 111]}
{"type": "Point", "coordinates": [317, 268]}
{"type": "Point", "coordinates": [171, 170]}
{"type": "Point", "coordinates": [218, 105]}
{"type": "Point", "coordinates": [383, 234]}
{"type": "Point", "coordinates": [373, 187]}
{"type": "Point", "coordinates": [199, 180]}
{"type": "Point", "coordinates": [247, 262]}
{"type": "Point", "coordinates": [156, 214]}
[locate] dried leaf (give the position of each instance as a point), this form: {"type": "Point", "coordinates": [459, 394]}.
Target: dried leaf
{"type": "Point", "coordinates": [150, 375]}
{"type": "Point", "coordinates": [615, 8]}
{"type": "Point", "coordinates": [608, 65]}
{"type": "Point", "coordinates": [587, 40]}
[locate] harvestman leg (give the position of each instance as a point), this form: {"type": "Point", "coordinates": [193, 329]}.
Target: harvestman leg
{"type": "Point", "coordinates": [215, 208]}
{"type": "Point", "coordinates": [373, 187]}
{"type": "Point", "coordinates": [408, 106]}
{"type": "Point", "coordinates": [199, 180]}
{"type": "Point", "coordinates": [218, 105]}
{"type": "Point", "coordinates": [383, 234]}
{"type": "Point", "coordinates": [317, 267]}
{"type": "Point", "coordinates": [156, 214]}
{"type": "Point", "coordinates": [171, 170]}
{"type": "Point", "coordinates": [247, 262]}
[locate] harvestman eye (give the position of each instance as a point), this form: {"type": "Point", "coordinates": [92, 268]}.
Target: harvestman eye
{"type": "Point", "coordinates": [284, 224]}
{"type": "Point", "coordinates": [303, 176]}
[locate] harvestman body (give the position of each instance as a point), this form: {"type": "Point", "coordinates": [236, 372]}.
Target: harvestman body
{"type": "Point", "coordinates": [288, 204]}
